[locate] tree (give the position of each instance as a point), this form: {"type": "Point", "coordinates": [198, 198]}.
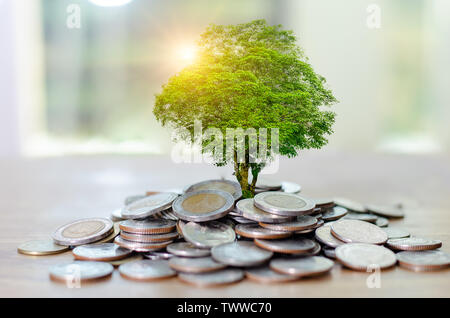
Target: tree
{"type": "Point", "coordinates": [247, 76]}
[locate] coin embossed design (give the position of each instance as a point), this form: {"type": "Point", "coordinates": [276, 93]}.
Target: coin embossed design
{"type": "Point", "coordinates": [148, 226]}
{"type": "Point", "coordinates": [424, 260]}
{"type": "Point", "coordinates": [141, 247]}
{"type": "Point", "coordinates": [301, 223]}
{"type": "Point", "coordinates": [149, 238]}
{"type": "Point", "coordinates": [302, 266]}
{"type": "Point", "coordinates": [413, 244]}
{"type": "Point", "coordinates": [185, 249]}
{"type": "Point", "coordinates": [355, 231]}
{"type": "Point", "coordinates": [288, 246]}
{"type": "Point", "coordinates": [146, 270]}
{"type": "Point", "coordinates": [323, 235]}
{"type": "Point", "coordinates": [232, 187]}
{"type": "Point", "coordinates": [395, 232]}
{"type": "Point", "coordinates": [203, 205]}
{"type": "Point", "coordinates": [149, 205]}
{"type": "Point", "coordinates": [195, 265]}
{"type": "Point", "coordinates": [80, 270]}
{"type": "Point", "coordinates": [217, 278]}
{"type": "Point", "coordinates": [266, 275]}
{"type": "Point", "coordinates": [207, 235]}
{"type": "Point", "coordinates": [256, 231]}
{"type": "Point", "coordinates": [240, 254]}
{"type": "Point", "coordinates": [334, 213]}
{"type": "Point", "coordinates": [287, 204]}
{"type": "Point", "coordinates": [41, 247]}
{"type": "Point", "coordinates": [100, 252]}
{"type": "Point", "coordinates": [248, 210]}
{"type": "Point", "coordinates": [361, 256]}
{"type": "Point", "coordinates": [83, 231]}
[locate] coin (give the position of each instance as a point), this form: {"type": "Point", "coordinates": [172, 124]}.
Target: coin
{"type": "Point", "coordinates": [83, 231]}
{"type": "Point", "coordinates": [301, 223]}
{"type": "Point", "coordinates": [203, 205]}
{"type": "Point", "coordinates": [361, 256]}
{"type": "Point", "coordinates": [195, 265]}
{"type": "Point", "coordinates": [387, 211]}
{"type": "Point", "coordinates": [250, 211]}
{"type": "Point", "coordinates": [395, 232]}
{"type": "Point", "coordinates": [324, 203]}
{"type": "Point", "coordinates": [355, 231]}
{"type": "Point", "coordinates": [268, 184]}
{"type": "Point", "coordinates": [329, 252]}
{"type": "Point", "coordinates": [148, 226]}
{"type": "Point", "coordinates": [266, 275]}
{"type": "Point", "coordinates": [334, 213]}
{"type": "Point", "coordinates": [140, 247]}
{"type": "Point", "coordinates": [288, 246]}
{"type": "Point", "coordinates": [256, 231]}
{"type": "Point", "coordinates": [424, 260]}
{"type": "Point", "coordinates": [146, 270]}
{"type": "Point", "coordinates": [149, 238]}
{"type": "Point", "coordinates": [80, 271]}
{"type": "Point", "coordinates": [242, 220]}
{"type": "Point", "coordinates": [158, 255]}
{"type": "Point", "coordinates": [116, 215]}
{"type": "Point", "coordinates": [186, 249]}
{"type": "Point", "coordinates": [131, 258]}
{"type": "Point", "coordinates": [100, 252]}
{"type": "Point", "coordinates": [290, 187]}
{"type": "Point", "coordinates": [413, 244]}
{"type": "Point", "coordinates": [217, 278]}
{"type": "Point", "coordinates": [350, 205]}
{"type": "Point", "coordinates": [281, 203]}
{"type": "Point", "coordinates": [361, 216]}
{"type": "Point", "coordinates": [149, 205]}
{"type": "Point", "coordinates": [381, 222]}
{"type": "Point", "coordinates": [231, 187]}
{"type": "Point", "coordinates": [133, 198]}
{"type": "Point", "coordinates": [240, 254]}
{"type": "Point", "coordinates": [110, 238]}
{"type": "Point", "coordinates": [41, 247]}
{"type": "Point", "coordinates": [207, 235]}
{"type": "Point", "coordinates": [302, 266]}
{"type": "Point", "coordinates": [323, 235]}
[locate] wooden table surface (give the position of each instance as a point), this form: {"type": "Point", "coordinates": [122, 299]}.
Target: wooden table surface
{"type": "Point", "coordinates": [38, 195]}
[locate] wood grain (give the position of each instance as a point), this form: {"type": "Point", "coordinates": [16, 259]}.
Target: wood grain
{"type": "Point", "coordinates": [38, 195]}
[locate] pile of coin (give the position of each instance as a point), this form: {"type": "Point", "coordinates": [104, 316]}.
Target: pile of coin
{"type": "Point", "coordinates": [207, 235]}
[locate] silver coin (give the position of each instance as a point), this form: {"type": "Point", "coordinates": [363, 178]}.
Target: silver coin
{"type": "Point", "coordinates": [116, 215]}
{"type": "Point", "coordinates": [146, 270]}
{"type": "Point", "coordinates": [248, 210]}
{"type": "Point", "coordinates": [266, 275]}
{"type": "Point", "coordinates": [100, 252]}
{"type": "Point", "coordinates": [242, 220]}
{"type": "Point", "coordinates": [350, 205]}
{"type": "Point", "coordinates": [386, 211]}
{"type": "Point", "coordinates": [395, 232]}
{"type": "Point", "coordinates": [83, 231]}
{"type": "Point", "coordinates": [424, 260]}
{"type": "Point", "coordinates": [195, 265]}
{"type": "Point", "coordinates": [149, 205]}
{"type": "Point", "coordinates": [281, 203]}
{"type": "Point", "coordinates": [133, 198]}
{"type": "Point", "coordinates": [413, 244]}
{"type": "Point", "coordinates": [323, 235]}
{"type": "Point", "coordinates": [302, 266]}
{"type": "Point", "coordinates": [355, 231]}
{"type": "Point", "coordinates": [334, 213]}
{"type": "Point", "coordinates": [361, 256]}
{"type": "Point", "coordinates": [203, 205]}
{"type": "Point", "coordinates": [240, 254]}
{"type": "Point", "coordinates": [382, 222]}
{"type": "Point", "coordinates": [329, 252]}
{"type": "Point", "coordinates": [217, 278]}
{"type": "Point", "coordinates": [148, 226]}
{"type": "Point", "coordinates": [185, 249]}
{"type": "Point", "coordinates": [149, 238]}
{"type": "Point", "coordinates": [290, 187]}
{"type": "Point", "coordinates": [267, 184]}
{"type": "Point", "coordinates": [208, 235]}
{"type": "Point", "coordinates": [140, 247]}
{"type": "Point", "coordinates": [232, 187]}
{"type": "Point", "coordinates": [301, 223]}
{"type": "Point", "coordinates": [158, 255]}
{"type": "Point", "coordinates": [256, 231]}
{"type": "Point", "coordinates": [361, 216]}
{"type": "Point", "coordinates": [297, 245]}
{"type": "Point", "coordinates": [80, 271]}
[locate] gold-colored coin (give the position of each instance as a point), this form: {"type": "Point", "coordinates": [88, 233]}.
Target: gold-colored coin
{"type": "Point", "coordinates": [41, 247]}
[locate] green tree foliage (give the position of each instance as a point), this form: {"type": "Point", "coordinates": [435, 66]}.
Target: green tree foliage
{"type": "Point", "coordinates": [250, 76]}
